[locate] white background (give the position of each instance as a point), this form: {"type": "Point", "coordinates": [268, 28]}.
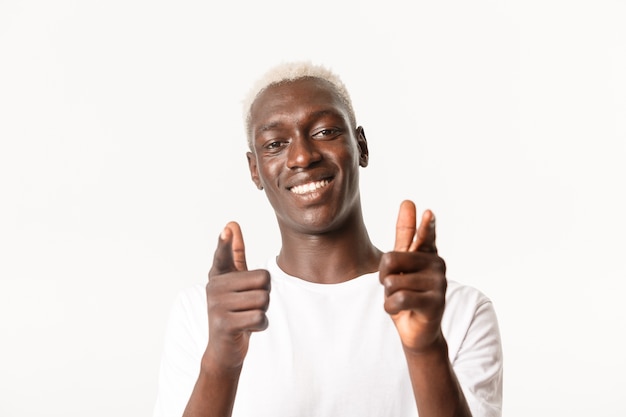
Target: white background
{"type": "Point", "coordinates": [122, 157]}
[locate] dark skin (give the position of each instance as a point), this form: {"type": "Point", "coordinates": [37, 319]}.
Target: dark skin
{"type": "Point", "coordinates": [306, 155]}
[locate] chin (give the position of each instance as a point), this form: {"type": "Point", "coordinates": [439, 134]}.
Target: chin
{"type": "Point", "coordinates": [316, 223]}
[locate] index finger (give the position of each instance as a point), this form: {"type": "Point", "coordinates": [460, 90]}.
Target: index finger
{"type": "Point", "coordinates": [230, 254]}
{"type": "Point", "coordinates": [238, 248]}
{"type": "Point", "coordinates": [405, 226]}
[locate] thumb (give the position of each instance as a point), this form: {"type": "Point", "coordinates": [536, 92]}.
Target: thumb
{"type": "Point", "coordinates": [405, 226]}
{"type": "Point", "coordinates": [230, 254]}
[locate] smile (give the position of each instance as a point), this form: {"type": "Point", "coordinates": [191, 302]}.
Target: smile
{"type": "Point", "coordinates": [309, 187]}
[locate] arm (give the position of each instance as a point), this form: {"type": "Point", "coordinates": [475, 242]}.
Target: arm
{"type": "Point", "coordinates": [214, 391]}
{"type": "Point", "coordinates": [237, 300]}
{"type": "Point", "coordinates": [415, 286]}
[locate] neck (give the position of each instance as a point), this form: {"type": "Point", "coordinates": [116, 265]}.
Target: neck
{"type": "Point", "coordinates": [331, 257]}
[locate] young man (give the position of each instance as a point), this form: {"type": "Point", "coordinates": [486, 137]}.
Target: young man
{"type": "Point", "coordinates": [333, 326]}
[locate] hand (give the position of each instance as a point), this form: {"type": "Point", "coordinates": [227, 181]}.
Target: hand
{"type": "Point", "coordinates": [237, 300]}
{"type": "Point", "coordinates": [414, 279]}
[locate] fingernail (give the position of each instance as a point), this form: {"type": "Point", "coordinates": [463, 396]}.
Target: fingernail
{"type": "Point", "coordinates": [223, 234]}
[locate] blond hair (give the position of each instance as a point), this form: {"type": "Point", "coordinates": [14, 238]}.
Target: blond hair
{"type": "Point", "coordinates": [292, 71]}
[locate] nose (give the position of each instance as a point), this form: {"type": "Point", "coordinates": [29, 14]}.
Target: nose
{"type": "Point", "coordinates": [301, 153]}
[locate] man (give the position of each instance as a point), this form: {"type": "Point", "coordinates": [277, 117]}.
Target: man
{"type": "Point", "coordinates": [347, 330]}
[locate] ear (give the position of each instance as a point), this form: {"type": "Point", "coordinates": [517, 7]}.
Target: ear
{"type": "Point", "coordinates": [254, 171]}
{"type": "Point", "coordinates": [362, 144]}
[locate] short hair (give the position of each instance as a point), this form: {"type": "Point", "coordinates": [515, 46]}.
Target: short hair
{"type": "Point", "coordinates": [292, 71]}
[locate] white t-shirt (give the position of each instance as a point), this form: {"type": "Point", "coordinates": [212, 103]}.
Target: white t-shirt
{"type": "Point", "coordinates": [332, 350]}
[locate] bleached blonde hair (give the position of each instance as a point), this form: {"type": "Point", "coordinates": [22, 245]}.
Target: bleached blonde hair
{"type": "Point", "coordinates": [292, 71]}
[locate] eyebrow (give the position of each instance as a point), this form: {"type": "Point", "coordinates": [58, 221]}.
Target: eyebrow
{"type": "Point", "coordinates": [268, 126]}
{"type": "Point", "coordinates": [313, 115]}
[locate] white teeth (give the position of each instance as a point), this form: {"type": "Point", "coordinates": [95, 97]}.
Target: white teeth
{"type": "Point", "coordinates": [309, 187]}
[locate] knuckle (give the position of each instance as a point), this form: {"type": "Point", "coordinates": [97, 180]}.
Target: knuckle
{"type": "Point", "coordinates": [217, 323]}
{"type": "Point", "coordinates": [265, 300]}
{"type": "Point", "coordinates": [261, 278]}
{"type": "Point", "coordinates": [386, 260]}
{"type": "Point", "coordinates": [259, 299]}
{"type": "Point", "coordinates": [399, 298]}
{"type": "Point", "coordinates": [388, 283]}
{"type": "Point", "coordinates": [211, 289]}
{"type": "Point", "coordinates": [394, 303]}
{"type": "Point", "coordinates": [259, 320]}
{"type": "Point", "coordinates": [212, 273]}
{"type": "Point", "coordinates": [389, 309]}
{"type": "Point", "coordinates": [442, 265]}
{"type": "Point", "coordinates": [437, 265]}
{"type": "Point", "coordinates": [214, 305]}
{"type": "Point", "coordinates": [390, 262]}
{"type": "Point", "coordinates": [266, 280]}
{"type": "Point", "coordinates": [443, 285]}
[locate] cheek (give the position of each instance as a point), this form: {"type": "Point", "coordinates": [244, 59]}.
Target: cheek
{"type": "Point", "coordinates": [350, 158]}
{"type": "Point", "coordinates": [268, 173]}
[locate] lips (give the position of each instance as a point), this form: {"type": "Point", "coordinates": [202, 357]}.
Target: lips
{"type": "Point", "coordinates": [309, 187]}
{"type": "Point", "coordinates": [300, 184]}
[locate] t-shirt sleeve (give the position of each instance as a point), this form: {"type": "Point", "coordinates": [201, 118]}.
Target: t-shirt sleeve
{"type": "Point", "coordinates": [478, 360]}
{"type": "Point", "coordinates": [185, 342]}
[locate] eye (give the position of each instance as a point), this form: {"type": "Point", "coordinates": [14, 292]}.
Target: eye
{"type": "Point", "coordinates": [274, 145]}
{"type": "Point", "coordinates": [327, 133]}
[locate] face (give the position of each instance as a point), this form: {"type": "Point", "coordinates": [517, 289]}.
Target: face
{"type": "Point", "coordinates": [306, 155]}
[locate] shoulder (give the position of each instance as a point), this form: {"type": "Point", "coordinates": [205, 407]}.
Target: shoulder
{"type": "Point", "coordinates": [468, 314]}
{"type": "Point", "coordinates": [188, 302]}
{"type": "Point", "coordinates": [470, 327]}
{"type": "Point", "coordinates": [463, 303]}
{"type": "Point", "coordinates": [190, 296]}
{"type": "Point", "coordinates": [185, 341]}
{"type": "Point", "coordinates": [463, 297]}
{"type": "Point", "coordinates": [188, 315]}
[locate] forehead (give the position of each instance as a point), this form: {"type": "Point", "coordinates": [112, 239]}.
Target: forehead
{"type": "Point", "coordinates": [295, 99]}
